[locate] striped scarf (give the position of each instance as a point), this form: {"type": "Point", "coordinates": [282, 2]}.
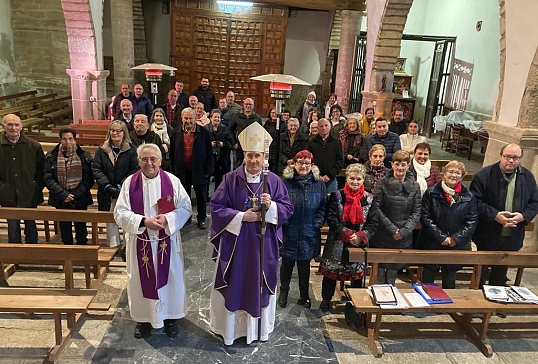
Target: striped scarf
{"type": "Point", "coordinates": [69, 167]}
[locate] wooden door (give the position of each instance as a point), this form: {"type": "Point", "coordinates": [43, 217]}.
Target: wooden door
{"type": "Point", "coordinates": [228, 48]}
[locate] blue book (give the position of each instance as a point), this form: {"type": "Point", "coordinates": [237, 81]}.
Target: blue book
{"type": "Point", "coordinates": [418, 287]}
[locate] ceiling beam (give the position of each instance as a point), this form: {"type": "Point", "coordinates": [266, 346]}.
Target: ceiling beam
{"type": "Point", "coordinates": [359, 5]}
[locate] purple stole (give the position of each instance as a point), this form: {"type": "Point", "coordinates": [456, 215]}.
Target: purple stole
{"type": "Point", "coordinates": [153, 279]}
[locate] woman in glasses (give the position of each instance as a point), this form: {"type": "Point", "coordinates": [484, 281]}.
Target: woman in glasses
{"type": "Point", "coordinates": [449, 218]}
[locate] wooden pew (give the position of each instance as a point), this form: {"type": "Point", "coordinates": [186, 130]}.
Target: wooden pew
{"type": "Point", "coordinates": [72, 303]}
{"type": "Point", "coordinates": [476, 259]}
{"type": "Point", "coordinates": [83, 142]}
{"type": "Point", "coordinates": [56, 109]}
{"type": "Point", "coordinates": [24, 113]}
{"type": "Point", "coordinates": [14, 97]}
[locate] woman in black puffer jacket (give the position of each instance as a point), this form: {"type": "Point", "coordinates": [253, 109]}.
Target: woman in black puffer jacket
{"type": "Point", "coordinates": [449, 218]}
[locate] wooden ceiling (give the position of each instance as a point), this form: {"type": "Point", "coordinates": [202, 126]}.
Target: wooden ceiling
{"type": "Point", "coordinates": [320, 4]}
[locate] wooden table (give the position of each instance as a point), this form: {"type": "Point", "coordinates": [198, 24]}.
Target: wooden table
{"type": "Point", "coordinates": [466, 303]}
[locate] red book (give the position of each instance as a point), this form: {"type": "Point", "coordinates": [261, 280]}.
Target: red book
{"type": "Point", "coordinates": [435, 292]}
{"type": "Point", "coordinates": [166, 204]}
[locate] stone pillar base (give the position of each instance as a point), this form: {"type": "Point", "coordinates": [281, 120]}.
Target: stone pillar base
{"type": "Point", "coordinates": [85, 85]}
{"type": "Point", "coordinates": [383, 102]}
{"type": "Point", "coordinates": [502, 134]}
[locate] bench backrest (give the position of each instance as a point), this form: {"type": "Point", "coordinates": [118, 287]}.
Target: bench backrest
{"type": "Point", "coordinates": [17, 95]}
{"type": "Point", "coordinates": [51, 214]}
{"type": "Point", "coordinates": [50, 253]}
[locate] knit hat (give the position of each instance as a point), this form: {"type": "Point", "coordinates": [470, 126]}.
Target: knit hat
{"type": "Point", "coordinates": [312, 93]}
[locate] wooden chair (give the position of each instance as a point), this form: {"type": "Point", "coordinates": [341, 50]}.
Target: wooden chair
{"type": "Point", "coordinates": [461, 143]}
{"type": "Point", "coordinates": [446, 137]}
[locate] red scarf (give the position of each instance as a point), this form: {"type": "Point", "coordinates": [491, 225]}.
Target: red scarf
{"type": "Point", "coordinates": [352, 206]}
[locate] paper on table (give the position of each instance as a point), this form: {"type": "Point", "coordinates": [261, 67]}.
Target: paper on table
{"type": "Point", "coordinates": [401, 302]}
{"type": "Point", "coordinates": [416, 300]}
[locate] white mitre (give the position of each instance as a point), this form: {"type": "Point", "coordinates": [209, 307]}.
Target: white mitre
{"type": "Point", "coordinates": [255, 138]}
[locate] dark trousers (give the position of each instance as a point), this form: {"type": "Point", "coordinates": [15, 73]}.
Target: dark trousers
{"type": "Point", "coordinates": [449, 278]}
{"type": "Point", "coordinates": [14, 231]}
{"type": "Point", "coordinates": [239, 156]}
{"type": "Point", "coordinates": [222, 166]}
{"type": "Point", "coordinates": [81, 231]}
{"type": "Point", "coordinates": [497, 275]}
{"type": "Point", "coordinates": [303, 269]}
{"type": "Point", "coordinates": [329, 285]}
{"type": "Point", "coordinates": [201, 195]}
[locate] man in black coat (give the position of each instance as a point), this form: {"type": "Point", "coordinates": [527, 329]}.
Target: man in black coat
{"type": "Point", "coordinates": [239, 122]}
{"type": "Point", "coordinates": [398, 124]}
{"type": "Point", "coordinates": [205, 95]}
{"type": "Point", "coordinates": [191, 159]}
{"type": "Point", "coordinates": [507, 199]}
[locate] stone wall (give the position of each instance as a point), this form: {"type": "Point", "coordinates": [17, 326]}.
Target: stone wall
{"type": "Point", "coordinates": [40, 46]}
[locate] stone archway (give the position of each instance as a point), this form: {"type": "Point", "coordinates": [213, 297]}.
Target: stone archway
{"type": "Point", "coordinates": [386, 22]}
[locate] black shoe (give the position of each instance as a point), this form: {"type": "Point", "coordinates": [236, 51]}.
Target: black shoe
{"type": "Point", "coordinates": [189, 221]}
{"type": "Point", "coordinates": [325, 305]}
{"type": "Point", "coordinates": [283, 299]}
{"type": "Point", "coordinates": [306, 302]}
{"type": "Point", "coordinates": [170, 328]}
{"type": "Point", "coordinates": [353, 318]}
{"type": "Point", "coordinates": [142, 330]}
{"type": "Point", "coordinates": [121, 253]}
{"type": "Point", "coordinates": [201, 225]}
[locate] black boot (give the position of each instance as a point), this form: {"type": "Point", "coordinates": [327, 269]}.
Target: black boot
{"type": "Point", "coordinates": [142, 330]}
{"type": "Point", "coordinates": [325, 305]}
{"type": "Point", "coordinates": [305, 301]}
{"type": "Point", "coordinates": [283, 298]}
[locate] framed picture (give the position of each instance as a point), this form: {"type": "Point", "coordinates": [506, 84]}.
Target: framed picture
{"type": "Point", "coordinates": [400, 66]}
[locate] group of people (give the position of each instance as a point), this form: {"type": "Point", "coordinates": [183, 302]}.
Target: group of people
{"type": "Point", "coordinates": [145, 176]}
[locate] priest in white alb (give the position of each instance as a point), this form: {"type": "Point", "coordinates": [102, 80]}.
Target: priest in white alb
{"type": "Point", "coordinates": [151, 208]}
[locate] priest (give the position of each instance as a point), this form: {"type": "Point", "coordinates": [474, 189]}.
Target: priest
{"type": "Point", "coordinates": [151, 208]}
{"type": "Point", "coordinates": [236, 212]}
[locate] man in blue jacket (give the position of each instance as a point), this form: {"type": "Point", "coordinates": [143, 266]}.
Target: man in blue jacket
{"type": "Point", "coordinates": [388, 139]}
{"type": "Point", "coordinates": [507, 199]}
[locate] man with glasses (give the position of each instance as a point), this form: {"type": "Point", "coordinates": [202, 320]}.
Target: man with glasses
{"type": "Point", "coordinates": [151, 209]}
{"type": "Point", "coordinates": [241, 121]}
{"type": "Point", "coordinates": [507, 199]}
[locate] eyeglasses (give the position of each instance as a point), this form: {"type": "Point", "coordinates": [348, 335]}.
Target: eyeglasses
{"type": "Point", "coordinates": [456, 173]}
{"type": "Point", "coordinates": [146, 159]}
{"type": "Point", "coordinates": [116, 131]}
{"type": "Point", "coordinates": [306, 164]}
{"type": "Point", "coordinates": [512, 157]}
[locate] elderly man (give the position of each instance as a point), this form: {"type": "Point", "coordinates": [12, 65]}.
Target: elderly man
{"type": "Point", "coordinates": [126, 113]}
{"type": "Point", "coordinates": [124, 94]}
{"type": "Point", "coordinates": [142, 134]}
{"type": "Point", "coordinates": [230, 109]}
{"type": "Point", "coordinates": [141, 104]}
{"type": "Point", "coordinates": [21, 176]}
{"type": "Point", "coordinates": [172, 108]}
{"type": "Point", "coordinates": [237, 299]}
{"type": "Point", "coordinates": [205, 95]}
{"type": "Point", "coordinates": [193, 100]}
{"type": "Point", "coordinates": [328, 154]}
{"type": "Point", "coordinates": [151, 209]}
{"type": "Point", "coordinates": [398, 124]}
{"type": "Point", "coordinates": [239, 122]}
{"type": "Point", "coordinates": [182, 97]}
{"type": "Point", "coordinates": [191, 160]}
{"type": "Point", "coordinates": [507, 199]}
{"type": "Point", "coordinates": [388, 139]}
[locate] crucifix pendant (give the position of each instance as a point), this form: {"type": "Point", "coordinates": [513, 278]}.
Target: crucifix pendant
{"type": "Point", "coordinates": [253, 203]}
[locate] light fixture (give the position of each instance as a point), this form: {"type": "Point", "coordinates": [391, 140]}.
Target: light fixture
{"type": "Point", "coordinates": [235, 3]}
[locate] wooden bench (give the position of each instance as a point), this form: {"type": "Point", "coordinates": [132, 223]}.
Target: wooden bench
{"type": "Point", "coordinates": [35, 100]}
{"type": "Point", "coordinates": [73, 303]}
{"type": "Point", "coordinates": [466, 303]}
{"type": "Point", "coordinates": [55, 254]}
{"type": "Point", "coordinates": [475, 259]}
{"type": "Point", "coordinates": [14, 97]}
{"type": "Point", "coordinates": [24, 113]}
{"type": "Point", "coordinates": [56, 109]}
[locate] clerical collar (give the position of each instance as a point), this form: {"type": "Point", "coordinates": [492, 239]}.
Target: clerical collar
{"type": "Point", "coordinates": [252, 178]}
{"type": "Point", "coordinates": [150, 178]}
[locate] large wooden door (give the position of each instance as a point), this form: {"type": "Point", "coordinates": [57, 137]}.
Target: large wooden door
{"type": "Point", "coordinates": [228, 48]}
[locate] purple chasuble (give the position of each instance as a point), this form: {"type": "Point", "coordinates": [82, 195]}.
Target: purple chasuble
{"type": "Point", "coordinates": [238, 268]}
{"type": "Point", "coordinates": [150, 279]}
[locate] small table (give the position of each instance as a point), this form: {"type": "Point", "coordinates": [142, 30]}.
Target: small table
{"type": "Point", "coordinates": [466, 303]}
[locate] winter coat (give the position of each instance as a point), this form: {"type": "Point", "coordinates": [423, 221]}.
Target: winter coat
{"type": "Point", "coordinates": [240, 121]}
{"type": "Point", "coordinates": [149, 137]}
{"type": "Point", "coordinates": [391, 143]}
{"type": "Point", "coordinates": [109, 172]}
{"type": "Point", "coordinates": [433, 178]}
{"type": "Point", "coordinates": [335, 262]}
{"type": "Point", "coordinates": [202, 155]}
{"type": "Point", "coordinates": [229, 111]}
{"type": "Point", "coordinates": [274, 147]}
{"type": "Point", "coordinates": [288, 151]}
{"type": "Point", "coordinates": [440, 220]}
{"type": "Point", "coordinates": [301, 233]}
{"type": "Point", "coordinates": [21, 172]}
{"type": "Point", "coordinates": [397, 206]}
{"type": "Point", "coordinates": [299, 112]}
{"type": "Point", "coordinates": [220, 135]}
{"type": "Point", "coordinates": [206, 97]}
{"type": "Point", "coordinates": [57, 194]}
{"type": "Point", "coordinates": [489, 188]}
{"type": "Point", "coordinates": [142, 106]}
{"type": "Point", "coordinates": [328, 155]}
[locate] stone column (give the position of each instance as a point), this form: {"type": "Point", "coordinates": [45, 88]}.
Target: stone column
{"type": "Point", "coordinates": [351, 26]}
{"type": "Point", "coordinates": [122, 42]}
{"type": "Point", "coordinates": [86, 86]}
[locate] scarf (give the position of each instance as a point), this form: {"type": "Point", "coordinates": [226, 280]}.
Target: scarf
{"type": "Point", "coordinates": [69, 167]}
{"type": "Point", "coordinates": [378, 172]}
{"type": "Point", "coordinates": [352, 206]}
{"type": "Point", "coordinates": [423, 172]}
{"type": "Point", "coordinates": [151, 278]}
{"type": "Point", "coordinates": [346, 135]}
{"type": "Point", "coordinates": [306, 108]}
{"type": "Point", "coordinates": [451, 195]}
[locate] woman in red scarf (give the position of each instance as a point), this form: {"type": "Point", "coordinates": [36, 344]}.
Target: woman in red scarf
{"type": "Point", "coordinates": [347, 212]}
{"type": "Point", "coordinates": [352, 142]}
